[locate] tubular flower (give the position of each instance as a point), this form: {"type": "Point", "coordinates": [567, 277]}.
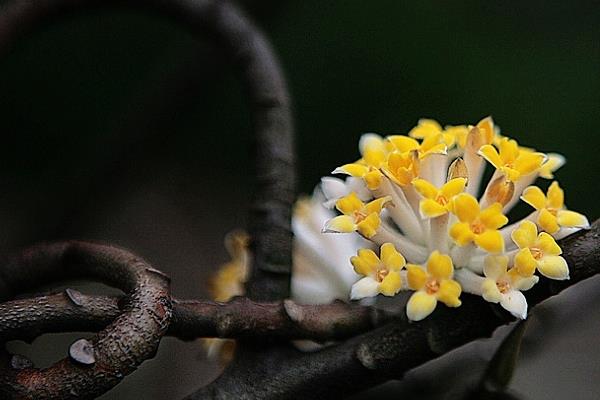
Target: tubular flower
{"type": "Point", "coordinates": [475, 225]}
{"type": "Point", "coordinates": [381, 274]}
{"type": "Point", "coordinates": [538, 252]}
{"type": "Point", "coordinates": [436, 201]}
{"type": "Point", "coordinates": [551, 212]}
{"type": "Point", "coordinates": [511, 161]}
{"type": "Point", "coordinates": [412, 197]}
{"type": "Point", "coordinates": [504, 286]}
{"type": "Point", "coordinates": [431, 284]}
{"type": "Point", "coordinates": [357, 216]}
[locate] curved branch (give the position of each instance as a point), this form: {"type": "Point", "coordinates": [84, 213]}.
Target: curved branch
{"type": "Point", "coordinates": [261, 74]}
{"type": "Point", "coordinates": [386, 352]}
{"type": "Point", "coordinates": [71, 310]}
{"type": "Point", "coordinates": [97, 365]}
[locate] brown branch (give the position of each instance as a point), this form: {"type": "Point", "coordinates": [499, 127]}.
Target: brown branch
{"type": "Point", "coordinates": [386, 352]}
{"type": "Point", "coordinates": [246, 47]}
{"type": "Point", "coordinates": [116, 350]}
{"type": "Point", "coordinates": [71, 310]}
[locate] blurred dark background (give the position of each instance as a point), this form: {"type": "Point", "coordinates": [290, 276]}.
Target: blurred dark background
{"type": "Point", "coordinates": [120, 126]}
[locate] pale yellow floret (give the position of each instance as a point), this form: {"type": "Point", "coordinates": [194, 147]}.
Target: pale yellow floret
{"type": "Point", "coordinates": [228, 280]}
{"type": "Point", "coordinates": [511, 160]}
{"type": "Point", "coordinates": [436, 201]}
{"type": "Point", "coordinates": [382, 273]}
{"type": "Point", "coordinates": [433, 144]}
{"type": "Point", "coordinates": [357, 216]}
{"type": "Point", "coordinates": [555, 161]}
{"type": "Point", "coordinates": [431, 285]}
{"type": "Point", "coordinates": [538, 251]}
{"type": "Point", "coordinates": [475, 225]}
{"type": "Point", "coordinates": [551, 213]}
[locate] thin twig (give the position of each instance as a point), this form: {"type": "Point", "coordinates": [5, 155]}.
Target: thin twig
{"type": "Point", "coordinates": [26, 319]}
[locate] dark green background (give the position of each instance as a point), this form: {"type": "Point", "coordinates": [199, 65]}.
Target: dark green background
{"type": "Point", "coordinates": [98, 142]}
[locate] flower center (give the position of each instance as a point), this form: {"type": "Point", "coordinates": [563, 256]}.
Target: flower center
{"type": "Point", "coordinates": [552, 210]}
{"type": "Point", "coordinates": [432, 286]}
{"type": "Point", "coordinates": [503, 286]}
{"type": "Point", "coordinates": [536, 253]}
{"type": "Point", "coordinates": [442, 200]}
{"type": "Point", "coordinates": [382, 272]}
{"type": "Point", "coordinates": [359, 216]}
{"type": "Point", "coordinates": [477, 227]}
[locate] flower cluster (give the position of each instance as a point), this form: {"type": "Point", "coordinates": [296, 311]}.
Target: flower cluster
{"type": "Point", "coordinates": [437, 230]}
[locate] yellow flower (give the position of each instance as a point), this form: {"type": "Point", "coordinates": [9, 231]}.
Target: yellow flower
{"type": "Point", "coordinates": [555, 161]}
{"type": "Point", "coordinates": [381, 275]}
{"type": "Point", "coordinates": [538, 252]}
{"type": "Point", "coordinates": [551, 213]}
{"type": "Point", "coordinates": [451, 135]}
{"type": "Point", "coordinates": [504, 286]}
{"type": "Point", "coordinates": [512, 161]}
{"type": "Point", "coordinates": [476, 225]}
{"type": "Point", "coordinates": [374, 154]}
{"type": "Point", "coordinates": [358, 216]}
{"type": "Point", "coordinates": [229, 279]}
{"type": "Point", "coordinates": [402, 168]}
{"type": "Point", "coordinates": [436, 201]}
{"type": "Point", "coordinates": [432, 285]}
{"type": "Point", "coordinates": [433, 144]}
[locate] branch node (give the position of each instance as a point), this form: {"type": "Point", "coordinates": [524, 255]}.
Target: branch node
{"type": "Point", "coordinates": [82, 351]}
{"type": "Point", "coordinates": [75, 296]}
{"type": "Point", "coordinates": [293, 311]}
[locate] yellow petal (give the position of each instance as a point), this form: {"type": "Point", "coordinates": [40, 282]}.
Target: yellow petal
{"type": "Point", "coordinates": [374, 158]}
{"type": "Point", "coordinates": [440, 265]}
{"type": "Point", "coordinates": [528, 163]}
{"type": "Point", "coordinates": [495, 267]}
{"type": "Point", "coordinates": [371, 142]}
{"type": "Point", "coordinates": [341, 224]}
{"type": "Point", "coordinates": [509, 150]}
{"type": "Point", "coordinates": [366, 262]}
{"type": "Point", "coordinates": [458, 132]}
{"type": "Point", "coordinates": [453, 187]}
{"type": "Point", "coordinates": [347, 205]}
{"type": "Point", "coordinates": [548, 245]}
{"type": "Point", "coordinates": [534, 196]}
{"type": "Point", "coordinates": [420, 305]}
{"type": "Point", "coordinates": [572, 219]}
{"type": "Point", "coordinates": [449, 293]}
{"type": "Point", "coordinates": [391, 258]}
{"type": "Point", "coordinates": [491, 241]}
{"type": "Point", "coordinates": [425, 188]}
{"type": "Point", "coordinates": [431, 208]}
{"type": "Point", "coordinates": [525, 235]}
{"type": "Point", "coordinates": [439, 148]}
{"type": "Point", "coordinates": [461, 233]}
{"type": "Point", "coordinates": [416, 277]}
{"type": "Point", "coordinates": [525, 263]}
{"type": "Point", "coordinates": [391, 284]}
{"type": "Point", "coordinates": [403, 143]}
{"type": "Point", "coordinates": [492, 217]}
{"type": "Point", "coordinates": [368, 226]}
{"type": "Point", "coordinates": [554, 267]}
{"type": "Point", "coordinates": [425, 128]}
{"type": "Point", "coordinates": [356, 170]}
{"type": "Point", "coordinates": [490, 291]}
{"type": "Point", "coordinates": [465, 207]}
{"type": "Point", "coordinates": [490, 153]}
{"type": "Point", "coordinates": [556, 196]}
{"type": "Point", "coordinates": [547, 221]}
{"type": "Point", "coordinates": [373, 179]}
{"type": "Point", "coordinates": [376, 205]}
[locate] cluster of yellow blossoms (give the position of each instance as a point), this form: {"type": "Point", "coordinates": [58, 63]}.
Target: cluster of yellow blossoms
{"type": "Point", "coordinates": [436, 230]}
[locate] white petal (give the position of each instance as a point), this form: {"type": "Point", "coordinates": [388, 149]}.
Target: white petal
{"type": "Point", "coordinates": [333, 188]}
{"type": "Point", "coordinates": [366, 287]}
{"type": "Point", "coordinates": [514, 302]}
